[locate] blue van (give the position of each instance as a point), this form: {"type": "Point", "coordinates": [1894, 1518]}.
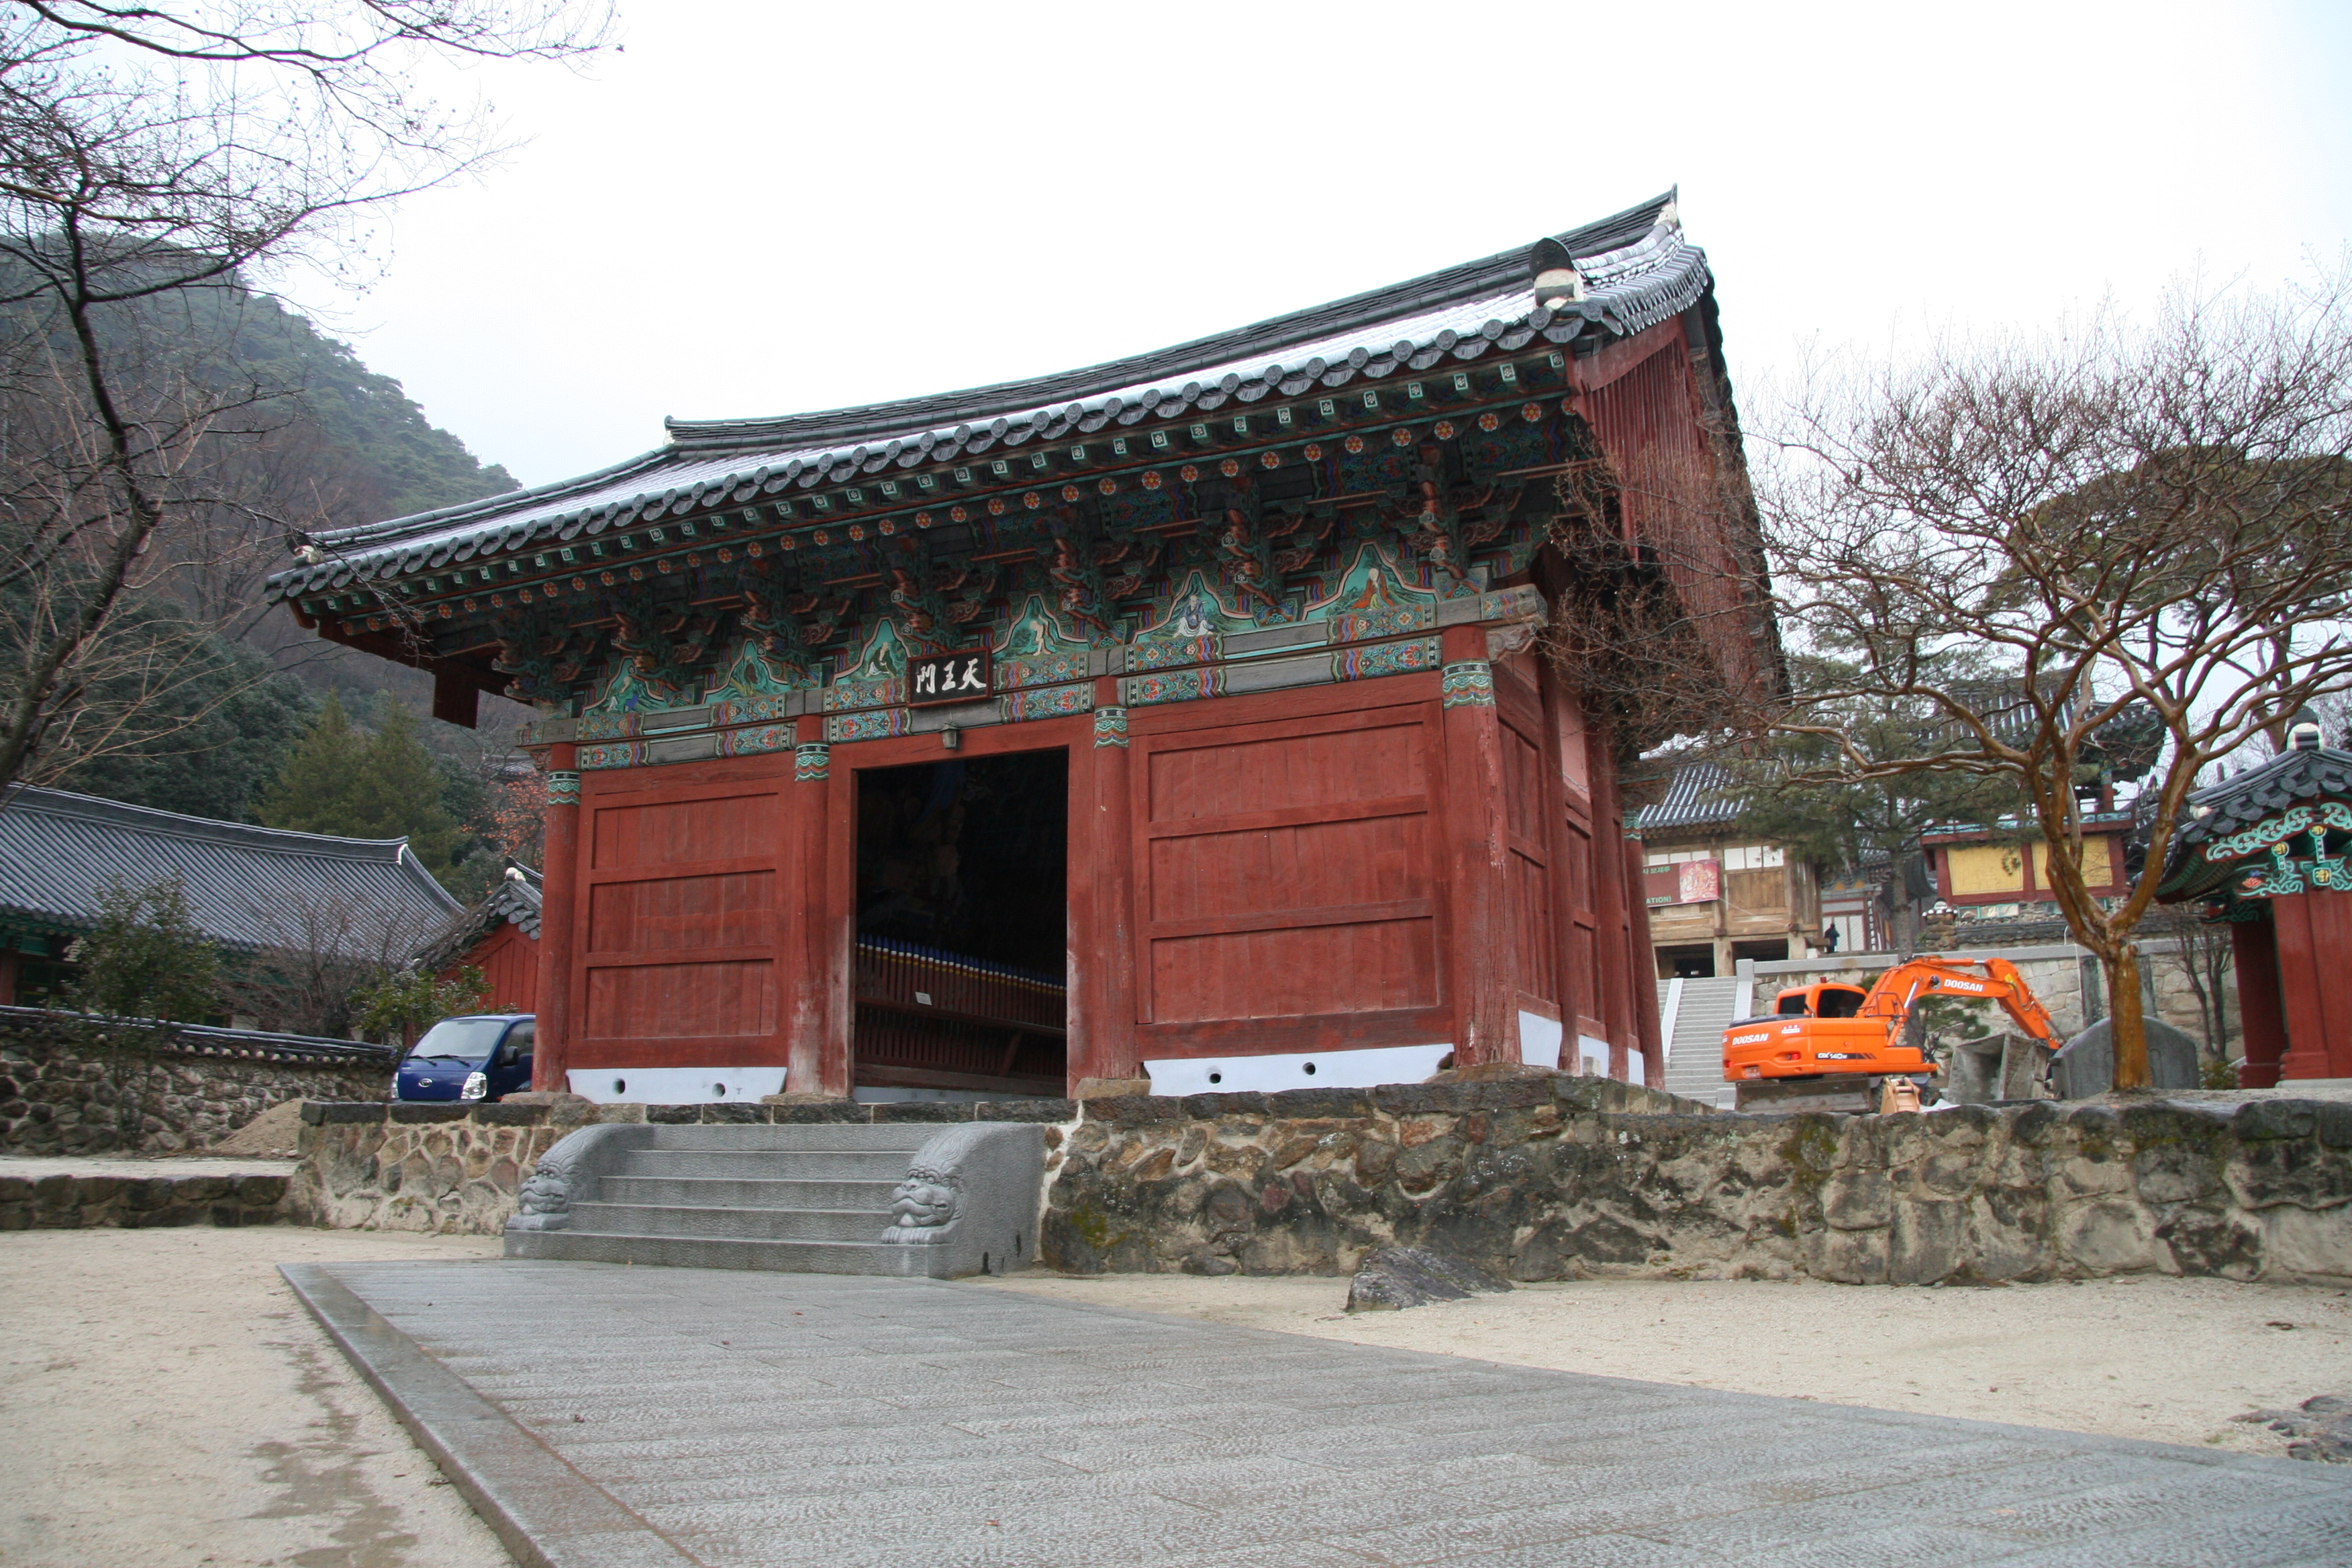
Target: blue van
{"type": "Point", "coordinates": [483, 1056]}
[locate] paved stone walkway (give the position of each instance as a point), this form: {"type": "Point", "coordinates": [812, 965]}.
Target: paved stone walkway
{"type": "Point", "coordinates": [32, 1167]}
{"type": "Point", "coordinates": [645, 1417]}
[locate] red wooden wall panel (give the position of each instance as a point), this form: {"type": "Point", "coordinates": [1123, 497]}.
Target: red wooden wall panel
{"type": "Point", "coordinates": [2313, 933]}
{"type": "Point", "coordinates": [734, 909]}
{"type": "Point", "coordinates": [1648, 413]}
{"type": "Point", "coordinates": [682, 1001]}
{"type": "Point", "coordinates": [680, 919]}
{"type": "Point", "coordinates": [665, 833]}
{"type": "Point", "coordinates": [1284, 868]}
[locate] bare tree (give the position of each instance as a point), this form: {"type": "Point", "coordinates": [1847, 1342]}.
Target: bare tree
{"type": "Point", "coordinates": [2109, 523]}
{"type": "Point", "coordinates": [152, 155]}
{"type": "Point", "coordinates": [315, 950]}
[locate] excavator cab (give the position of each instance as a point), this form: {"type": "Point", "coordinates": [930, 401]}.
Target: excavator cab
{"type": "Point", "coordinates": [1828, 1000]}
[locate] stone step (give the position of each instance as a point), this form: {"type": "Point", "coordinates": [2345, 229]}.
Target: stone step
{"type": "Point", "coordinates": [732, 1252]}
{"type": "Point", "coordinates": [796, 1164]}
{"type": "Point", "coordinates": [846, 1136]}
{"type": "Point", "coordinates": [718, 1220]}
{"type": "Point", "coordinates": [871, 1198]}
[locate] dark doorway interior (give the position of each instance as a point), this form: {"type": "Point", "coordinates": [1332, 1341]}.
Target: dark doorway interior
{"type": "Point", "coordinates": [962, 921]}
{"type": "Point", "coordinates": [1695, 962]}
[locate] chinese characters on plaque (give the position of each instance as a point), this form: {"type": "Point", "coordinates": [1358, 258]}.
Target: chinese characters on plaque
{"type": "Point", "coordinates": [948, 677]}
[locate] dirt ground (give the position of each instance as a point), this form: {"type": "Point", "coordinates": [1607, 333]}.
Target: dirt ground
{"type": "Point", "coordinates": [2164, 1359]}
{"type": "Point", "coordinates": [164, 1399]}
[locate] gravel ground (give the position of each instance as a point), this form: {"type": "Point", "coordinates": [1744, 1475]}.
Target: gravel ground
{"type": "Point", "coordinates": [164, 1399]}
{"type": "Point", "coordinates": [2163, 1359]}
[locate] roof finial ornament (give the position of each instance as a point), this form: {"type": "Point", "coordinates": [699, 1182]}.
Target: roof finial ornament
{"type": "Point", "coordinates": [1558, 282]}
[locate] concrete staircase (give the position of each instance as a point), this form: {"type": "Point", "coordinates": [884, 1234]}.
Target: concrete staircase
{"type": "Point", "coordinates": [1696, 1019]}
{"type": "Point", "coordinates": [811, 1199]}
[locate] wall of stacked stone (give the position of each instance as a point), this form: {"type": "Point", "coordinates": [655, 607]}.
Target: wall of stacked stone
{"type": "Point", "coordinates": [133, 1093]}
{"type": "Point", "coordinates": [63, 1202]}
{"type": "Point", "coordinates": [454, 1169]}
{"type": "Point", "coordinates": [1568, 1178]}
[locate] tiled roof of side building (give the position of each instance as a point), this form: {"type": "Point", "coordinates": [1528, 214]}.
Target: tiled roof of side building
{"type": "Point", "coordinates": [2295, 777]}
{"type": "Point", "coordinates": [1698, 793]}
{"type": "Point", "coordinates": [514, 902]}
{"type": "Point", "coordinates": [247, 887]}
{"type": "Point", "coordinates": [1631, 271]}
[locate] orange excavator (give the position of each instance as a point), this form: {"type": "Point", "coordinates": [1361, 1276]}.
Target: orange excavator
{"type": "Point", "coordinates": [1831, 1037]}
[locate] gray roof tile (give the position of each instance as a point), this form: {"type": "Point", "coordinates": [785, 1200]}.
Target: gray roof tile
{"type": "Point", "coordinates": [245, 886]}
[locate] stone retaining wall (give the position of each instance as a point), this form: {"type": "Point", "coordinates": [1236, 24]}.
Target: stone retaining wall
{"type": "Point", "coordinates": [63, 1091]}
{"type": "Point", "coordinates": [454, 1169]}
{"type": "Point", "coordinates": [1570, 1178]}
{"type": "Point", "coordinates": [65, 1202]}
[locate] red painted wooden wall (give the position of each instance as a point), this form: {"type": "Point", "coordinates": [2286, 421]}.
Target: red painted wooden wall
{"type": "Point", "coordinates": [1274, 872]}
{"type": "Point", "coordinates": [681, 880]}
{"type": "Point", "coordinates": [1286, 886]}
{"type": "Point", "coordinates": [2314, 933]}
{"type": "Point", "coordinates": [508, 960]}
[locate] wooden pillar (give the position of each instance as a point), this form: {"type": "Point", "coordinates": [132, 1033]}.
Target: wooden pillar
{"type": "Point", "coordinates": [816, 1000]}
{"type": "Point", "coordinates": [1572, 897]}
{"type": "Point", "coordinates": [558, 880]}
{"type": "Point", "coordinates": [1472, 829]}
{"type": "Point", "coordinates": [2313, 933]}
{"type": "Point", "coordinates": [8, 965]}
{"type": "Point", "coordinates": [1101, 1041]}
{"type": "Point", "coordinates": [1612, 900]}
{"type": "Point", "coordinates": [2262, 1020]}
{"type": "Point", "coordinates": [1641, 956]}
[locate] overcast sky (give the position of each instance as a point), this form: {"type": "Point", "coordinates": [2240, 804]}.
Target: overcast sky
{"type": "Point", "coordinates": [762, 208]}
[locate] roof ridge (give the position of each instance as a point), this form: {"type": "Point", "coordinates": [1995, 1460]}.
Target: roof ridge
{"type": "Point", "coordinates": [749, 436]}
{"type": "Point", "coordinates": [72, 804]}
{"type": "Point", "coordinates": [1461, 281]}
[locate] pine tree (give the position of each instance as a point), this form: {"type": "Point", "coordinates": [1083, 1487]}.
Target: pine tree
{"type": "Point", "coordinates": [309, 795]}
{"type": "Point", "coordinates": [379, 785]}
{"type": "Point", "coordinates": [398, 790]}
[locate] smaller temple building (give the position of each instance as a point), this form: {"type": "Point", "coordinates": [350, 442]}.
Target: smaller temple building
{"type": "Point", "coordinates": [255, 891]}
{"type": "Point", "coordinates": [1716, 892]}
{"type": "Point", "coordinates": [499, 937]}
{"type": "Point", "coordinates": [2269, 851]}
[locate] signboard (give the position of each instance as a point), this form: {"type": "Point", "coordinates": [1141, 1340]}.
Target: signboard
{"type": "Point", "coordinates": [1689, 883]}
{"type": "Point", "coordinates": [936, 677]}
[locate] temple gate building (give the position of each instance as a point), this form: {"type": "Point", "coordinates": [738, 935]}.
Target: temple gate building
{"type": "Point", "coordinates": [1184, 716]}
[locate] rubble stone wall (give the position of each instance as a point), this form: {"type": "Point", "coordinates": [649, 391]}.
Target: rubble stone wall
{"type": "Point", "coordinates": [60, 1094]}
{"type": "Point", "coordinates": [1568, 1178]}
{"type": "Point", "coordinates": [65, 1202]}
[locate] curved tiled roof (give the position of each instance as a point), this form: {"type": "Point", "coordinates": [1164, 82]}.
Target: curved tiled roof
{"type": "Point", "coordinates": [1695, 795]}
{"type": "Point", "coordinates": [2292, 778]}
{"type": "Point", "coordinates": [514, 902]}
{"type": "Point", "coordinates": [1635, 269]}
{"type": "Point", "coordinates": [245, 886]}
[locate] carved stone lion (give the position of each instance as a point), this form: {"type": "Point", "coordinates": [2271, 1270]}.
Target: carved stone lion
{"type": "Point", "coordinates": [922, 1206]}
{"type": "Point", "coordinates": [544, 1201]}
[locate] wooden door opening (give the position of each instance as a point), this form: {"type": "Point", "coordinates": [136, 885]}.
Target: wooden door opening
{"type": "Point", "coordinates": [959, 977]}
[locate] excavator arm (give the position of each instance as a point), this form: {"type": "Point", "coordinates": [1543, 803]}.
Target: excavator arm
{"type": "Point", "coordinates": [1901, 987]}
